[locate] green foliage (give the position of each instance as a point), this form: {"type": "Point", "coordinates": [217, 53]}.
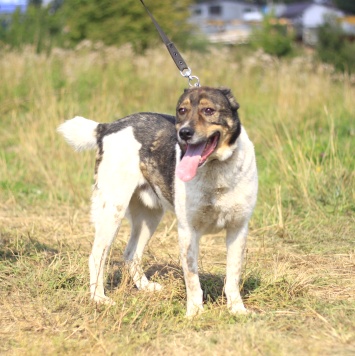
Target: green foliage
{"type": "Point", "coordinates": [38, 27]}
{"type": "Point", "coordinates": [113, 23]}
{"type": "Point", "coordinates": [273, 38]}
{"type": "Point", "coordinates": [35, 2]}
{"type": "Point", "coordinates": [346, 5]}
{"type": "Point", "coordinates": [334, 48]}
{"type": "Point", "coordinates": [120, 22]}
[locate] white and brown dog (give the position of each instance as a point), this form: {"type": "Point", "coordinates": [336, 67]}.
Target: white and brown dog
{"type": "Point", "coordinates": [200, 164]}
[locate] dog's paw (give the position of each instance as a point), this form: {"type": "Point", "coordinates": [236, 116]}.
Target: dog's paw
{"type": "Point", "coordinates": [153, 287]}
{"type": "Point", "coordinates": [238, 308]}
{"type": "Point", "coordinates": [102, 299]}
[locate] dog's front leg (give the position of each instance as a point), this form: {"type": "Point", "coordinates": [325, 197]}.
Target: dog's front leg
{"type": "Point", "coordinates": [236, 240]}
{"type": "Point", "coordinates": [189, 248]}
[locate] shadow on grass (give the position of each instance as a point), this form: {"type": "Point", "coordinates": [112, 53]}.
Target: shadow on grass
{"type": "Point", "coordinates": [212, 284]}
{"type": "Point", "coordinates": [119, 273]}
{"type": "Point", "coordinates": [250, 285]}
{"type": "Point", "coordinates": [11, 248]}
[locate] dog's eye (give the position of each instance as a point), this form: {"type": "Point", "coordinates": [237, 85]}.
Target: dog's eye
{"type": "Point", "coordinates": [182, 111]}
{"type": "Point", "coordinates": [209, 111]}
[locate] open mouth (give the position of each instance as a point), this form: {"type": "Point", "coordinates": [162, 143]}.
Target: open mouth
{"type": "Point", "coordinates": [195, 156]}
{"type": "Point", "coordinates": [210, 146]}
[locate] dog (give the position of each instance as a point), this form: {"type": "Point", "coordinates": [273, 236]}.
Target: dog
{"type": "Point", "coordinates": [200, 164]}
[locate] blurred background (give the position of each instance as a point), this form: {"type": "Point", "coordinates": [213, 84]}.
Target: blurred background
{"type": "Point", "coordinates": [280, 28]}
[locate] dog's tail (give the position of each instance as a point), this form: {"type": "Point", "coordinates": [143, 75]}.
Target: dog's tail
{"type": "Point", "coordinates": [80, 133]}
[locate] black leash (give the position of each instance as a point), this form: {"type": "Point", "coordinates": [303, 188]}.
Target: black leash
{"type": "Point", "coordinates": [175, 55]}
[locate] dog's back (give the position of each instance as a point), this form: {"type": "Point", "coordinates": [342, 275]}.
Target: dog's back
{"type": "Point", "coordinates": [153, 140]}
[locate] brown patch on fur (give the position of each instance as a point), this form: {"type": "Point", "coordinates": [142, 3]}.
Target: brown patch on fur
{"type": "Point", "coordinates": [99, 151]}
{"type": "Point", "coordinates": [152, 174]}
{"type": "Point", "coordinates": [224, 143]}
{"type": "Point", "coordinates": [120, 212]}
{"type": "Point", "coordinates": [156, 145]}
{"type": "Point", "coordinates": [144, 187]}
{"type": "Point", "coordinates": [97, 163]}
{"type": "Point", "coordinates": [143, 169]}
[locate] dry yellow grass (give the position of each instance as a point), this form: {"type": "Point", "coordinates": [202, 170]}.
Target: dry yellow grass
{"type": "Point", "coordinates": [302, 303]}
{"type": "Point", "coordinates": [299, 271]}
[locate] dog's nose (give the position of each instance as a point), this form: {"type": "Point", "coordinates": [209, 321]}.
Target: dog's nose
{"type": "Point", "coordinates": [186, 133]}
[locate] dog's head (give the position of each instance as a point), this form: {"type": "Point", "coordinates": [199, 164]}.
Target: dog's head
{"type": "Point", "coordinates": [207, 125]}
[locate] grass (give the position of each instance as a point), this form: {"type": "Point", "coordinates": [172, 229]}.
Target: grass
{"type": "Point", "coordinates": [299, 271]}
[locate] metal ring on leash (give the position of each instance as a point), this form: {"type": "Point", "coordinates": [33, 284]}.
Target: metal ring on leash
{"type": "Point", "coordinates": [194, 78]}
{"type": "Point", "coordinates": [186, 73]}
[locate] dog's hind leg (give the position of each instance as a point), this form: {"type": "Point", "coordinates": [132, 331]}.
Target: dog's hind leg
{"type": "Point", "coordinates": [107, 219]}
{"type": "Point", "coordinates": [118, 175]}
{"type": "Point", "coordinates": [144, 221]}
{"type": "Point", "coordinates": [236, 240]}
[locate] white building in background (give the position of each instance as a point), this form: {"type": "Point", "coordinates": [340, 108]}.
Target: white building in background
{"type": "Point", "coordinates": [231, 21]}
{"type": "Point", "coordinates": [226, 21]}
{"type": "Point", "coordinates": [307, 17]}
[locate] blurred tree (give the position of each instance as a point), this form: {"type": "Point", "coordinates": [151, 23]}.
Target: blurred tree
{"type": "Point", "coordinates": [119, 22]}
{"type": "Point", "coordinates": [346, 5]}
{"type": "Point", "coordinates": [55, 5]}
{"type": "Point", "coordinates": [35, 3]}
{"type": "Point", "coordinates": [272, 37]}
{"type": "Point", "coordinates": [333, 47]}
{"type": "Point", "coordinates": [37, 26]}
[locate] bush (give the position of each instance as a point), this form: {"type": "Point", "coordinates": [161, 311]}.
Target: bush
{"type": "Point", "coordinates": [272, 37]}
{"type": "Point", "coordinates": [334, 48]}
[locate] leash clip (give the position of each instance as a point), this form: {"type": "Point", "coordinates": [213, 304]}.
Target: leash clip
{"type": "Point", "coordinates": [175, 55]}
{"type": "Point", "coordinates": [193, 80]}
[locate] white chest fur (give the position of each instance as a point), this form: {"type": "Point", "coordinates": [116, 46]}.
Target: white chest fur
{"type": "Point", "coordinates": [222, 194]}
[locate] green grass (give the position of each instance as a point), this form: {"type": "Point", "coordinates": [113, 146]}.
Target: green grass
{"type": "Point", "coordinates": [299, 271]}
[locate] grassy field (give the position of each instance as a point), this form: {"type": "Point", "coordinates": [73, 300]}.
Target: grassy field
{"type": "Point", "coordinates": [299, 275]}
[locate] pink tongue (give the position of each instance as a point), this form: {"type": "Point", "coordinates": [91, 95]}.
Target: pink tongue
{"type": "Point", "coordinates": [187, 168]}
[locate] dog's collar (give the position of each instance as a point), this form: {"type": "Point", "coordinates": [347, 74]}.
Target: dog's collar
{"type": "Point", "coordinates": [185, 71]}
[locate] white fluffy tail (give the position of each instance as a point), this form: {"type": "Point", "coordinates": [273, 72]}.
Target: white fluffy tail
{"type": "Point", "coordinates": [80, 133]}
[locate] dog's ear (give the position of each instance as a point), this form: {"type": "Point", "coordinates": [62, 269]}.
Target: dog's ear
{"type": "Point", "coordinates": [232, 101]}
